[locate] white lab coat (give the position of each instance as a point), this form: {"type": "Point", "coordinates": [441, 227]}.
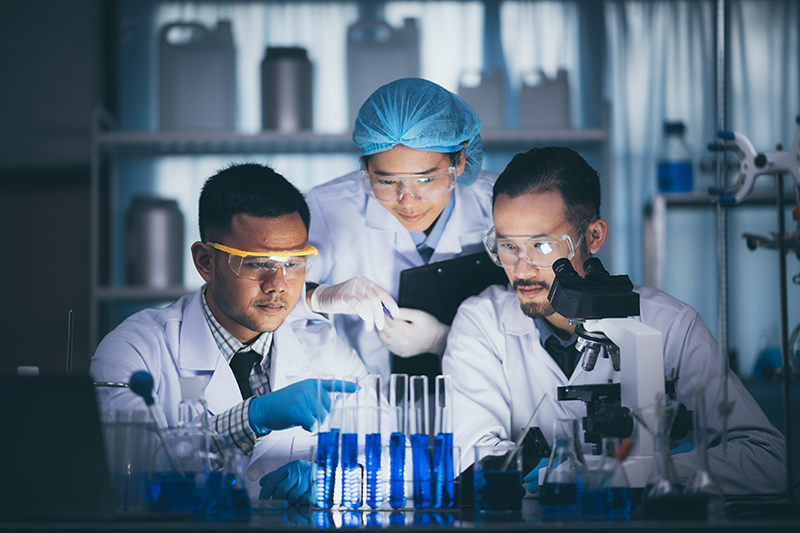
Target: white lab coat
{"type": "Point", "coordinates": [357, 236]}
{"type": "Point", "coordinates": [176, 341]}
{"type": "Point", "coordinates": [500, 372]}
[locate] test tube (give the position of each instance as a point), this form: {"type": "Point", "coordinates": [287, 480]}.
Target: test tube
{"type": "Point", "coordinates": [443, 475]}
{"type": "Point", "coordinates": [371, 385]}
{"type": "Point", "coordinates": [398, 402]}
{"type": "Point", "coordinates": [328, 441]}
{"type": "Point", "coordinates": [420, 434]}
{"type": "Point", "coordinates": [351, 471]}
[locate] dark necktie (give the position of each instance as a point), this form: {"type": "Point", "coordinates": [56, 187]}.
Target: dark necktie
{"type": "Point", "coordinates": [563, 355]}
{"type": "Point", "coordinates": [425, 252]}
{"type": "Point", "coordinates": [242, 364]}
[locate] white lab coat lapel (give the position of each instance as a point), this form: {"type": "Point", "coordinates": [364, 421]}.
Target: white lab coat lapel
{"type": "Point", "coordinates": [289, 365]}
{"type": "Point", "coordinates": [388, 229]}
{"type": "Point", "coordinates": [464, 226]}
{"type": "Point", "coordinates": [199, 353]}
{"type": "Point", "coordinates": [531, 349]}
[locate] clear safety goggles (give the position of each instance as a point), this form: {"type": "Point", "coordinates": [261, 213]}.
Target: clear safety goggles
{"type": "Point", "coordinates": [260, 267]}
{"type": "Point", "coordinates": [421, 187]}
{"type": "Point", "coordinates": [539, 252]}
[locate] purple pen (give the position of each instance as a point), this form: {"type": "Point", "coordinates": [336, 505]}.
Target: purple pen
{"type": "Point", "coordinates": [387, 313]}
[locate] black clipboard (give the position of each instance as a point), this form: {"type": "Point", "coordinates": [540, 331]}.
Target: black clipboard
{"type": "Point", "coordinates": [439, 288]}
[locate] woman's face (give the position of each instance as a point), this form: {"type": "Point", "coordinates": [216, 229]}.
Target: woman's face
{"type": "Point", "coordinates": [414, 214]}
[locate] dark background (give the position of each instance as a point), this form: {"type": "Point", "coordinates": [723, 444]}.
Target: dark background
{"type": "Point", "coordinates": [56, 60]}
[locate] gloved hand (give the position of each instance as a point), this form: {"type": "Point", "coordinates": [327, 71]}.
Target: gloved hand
{"type": "Point", "coordinates": [292, 482]}
{"type": "Point", "coordinates": [295, 405]}
{"type": "Point", "coordinates": [532, 479]}
{"type": "Point", "coordinates": [356, 296]}
{"type": "Point", "coordinates": [413, 332]}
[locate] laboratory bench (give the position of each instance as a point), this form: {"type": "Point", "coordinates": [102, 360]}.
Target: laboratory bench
{"type": "Point", "coordinates": [743, 517]}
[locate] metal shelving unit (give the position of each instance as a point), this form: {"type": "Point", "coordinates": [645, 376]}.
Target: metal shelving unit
{"type": "Point", "coordinates": [656, 225]}
{"type": "Point", "coordinates": [109, 145]}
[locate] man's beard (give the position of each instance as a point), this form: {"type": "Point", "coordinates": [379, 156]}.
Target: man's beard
{"type": "Point", "coordinates": [534, 309]}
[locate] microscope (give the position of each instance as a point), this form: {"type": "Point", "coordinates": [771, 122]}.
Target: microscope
{"type": "Point", "coordinates": [604, 304]}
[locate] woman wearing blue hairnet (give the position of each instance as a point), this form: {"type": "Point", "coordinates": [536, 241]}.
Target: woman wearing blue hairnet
{"type": "Point", "coordinates": [420, 197]}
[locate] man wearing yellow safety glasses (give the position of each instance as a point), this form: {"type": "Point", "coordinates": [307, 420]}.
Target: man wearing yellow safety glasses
{"type": "Point", "coordinates": [262, 393]}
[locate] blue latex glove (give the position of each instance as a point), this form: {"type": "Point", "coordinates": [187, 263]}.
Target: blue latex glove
{"type": "Point", "coordinates": [532, 479]}
{"type": "Point", "coordinates": [295, 405]}
{"type": "Point", "coordinates": [292, 482]}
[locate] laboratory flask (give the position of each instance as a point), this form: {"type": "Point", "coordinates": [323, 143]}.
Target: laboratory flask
{"type": "Point", "coordinates": [559, 494]}
{"type": "Point", "coordinates": [618, 492]}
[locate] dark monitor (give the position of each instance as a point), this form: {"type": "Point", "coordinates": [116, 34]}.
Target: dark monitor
{"type": "Point", "coordinates": [52, 445]}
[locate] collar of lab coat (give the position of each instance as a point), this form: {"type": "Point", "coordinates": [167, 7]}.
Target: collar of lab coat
{"type": "Point", "coordinates": [519, 324]}
{"type": "Point", "coordinates": [198, 352]}
{"type": "Point", "coordinates": [513, 319]}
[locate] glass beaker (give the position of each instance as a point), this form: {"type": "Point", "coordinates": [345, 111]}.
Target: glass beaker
{"type": "Point", "coordinates": [663, 485]}
{"type": "Point", "coordinates": [703, 484]}
{"type": "Point", "coordinates": [559, 496]}
{"type": "Point", "coordinates": [498, 477]}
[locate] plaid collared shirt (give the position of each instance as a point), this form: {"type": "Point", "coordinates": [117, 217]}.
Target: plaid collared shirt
{"type": "Point", "coordinates": [234, 424]}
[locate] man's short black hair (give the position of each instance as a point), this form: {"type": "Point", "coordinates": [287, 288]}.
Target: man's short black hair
{"type": "Point", "coordinates": [553, 169]}
{"type": "Point", "coordinates": [251, 189]}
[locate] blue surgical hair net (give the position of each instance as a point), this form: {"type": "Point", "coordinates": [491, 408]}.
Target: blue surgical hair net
{"type": "Point", "coordinates": [422, 115]}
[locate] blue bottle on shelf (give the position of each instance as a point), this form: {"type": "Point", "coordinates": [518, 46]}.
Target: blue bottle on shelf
{"type": "Point", "coordinates": [675, 172]}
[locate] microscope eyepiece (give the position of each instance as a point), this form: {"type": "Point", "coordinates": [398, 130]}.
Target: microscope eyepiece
{"type": "Point", "coordinates": [593, 268]}
{"type": "Point", "coordinates": [564, 269]}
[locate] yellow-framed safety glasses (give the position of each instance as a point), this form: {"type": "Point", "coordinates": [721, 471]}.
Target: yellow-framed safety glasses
{"type": "Point", "coordinates": [261, 266]}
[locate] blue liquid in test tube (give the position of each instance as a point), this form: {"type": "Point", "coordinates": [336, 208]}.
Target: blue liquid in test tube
{"type": "Point", "coordinates": [422, 471]}
{"type": "Point", "coordinates": [351, 472]}
{"type": "Point", "coordinates": [397, 460]}
{"type": "Point", "coordinates": [374, 477]}
{"type": "Point", "coordinates": [444, 488]}
{"type": "Point", "coordinates": [327, 459]}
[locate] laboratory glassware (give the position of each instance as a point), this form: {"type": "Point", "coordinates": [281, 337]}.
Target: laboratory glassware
{"type": "Point", "coordinates": [614, 480]}
{"type": "Point", "coordinates": [419, 431]}
{"type": "Point", "coordinates": [498, 477]}
{"type": "Point", "coordinates": [398, 403]}
{"type": "Point", "coordinates": [442, 468]}
{"type": "Point", "coordinates": [559, 494]}
{"type": "Point", "coordinates": [197, 485]}
{"type": "Point", "coordinates": [328, 442]}
{"type": "Point", "coordinates": [703, 483]}
{"type": "Point", "coordinates": [663, 487]}
{"type": "Point", "coordinates": [374, 444]}
{"type": "Point", "coordinates": [351, 471]}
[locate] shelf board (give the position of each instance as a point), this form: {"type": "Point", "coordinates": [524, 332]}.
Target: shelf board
{"type": "Point", "coordinates": [697, 198]}
{"type": "Point", "coordinates": [141, 294]}
{"type": "Point", "coordinates": [198, 142]}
